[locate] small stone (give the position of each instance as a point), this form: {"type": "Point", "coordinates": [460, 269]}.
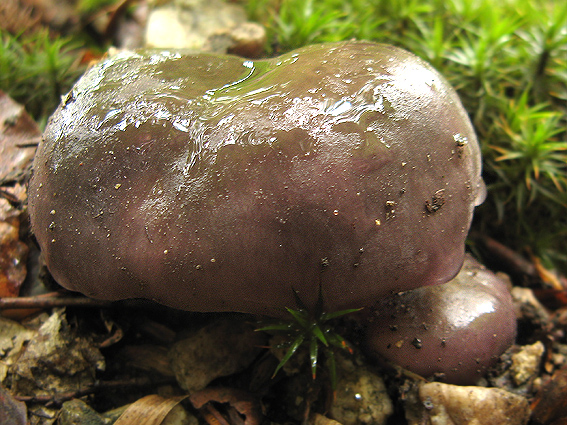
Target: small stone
{"type": "Point", "coordinates": [444, 404]}
{"type": "Point", "coordinates": [529, 307]}
{"type": "Point", "coordinates": [525, 363]}
{"type": "Point", "coordinates": [318, 419]}
{"type": "Point", "coordinates": [189, 24]}
{"type": "Point", "coordinates": [219, 349]}
{"type": "Point", "coordinates": [77, 412]}
{"type": "Point", "coordinates": [361, 396]}
{"type": "Point", "coordinates": [247, 40]}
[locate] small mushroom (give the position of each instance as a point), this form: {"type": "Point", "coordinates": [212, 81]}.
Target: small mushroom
{"type": "Point", "coordinates": [457, 329]}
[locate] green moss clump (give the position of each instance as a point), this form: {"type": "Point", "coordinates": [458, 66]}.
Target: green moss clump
{"type": "Point", "coordinates": [36, 68]}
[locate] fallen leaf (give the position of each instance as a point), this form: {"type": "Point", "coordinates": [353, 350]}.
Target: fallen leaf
{"type": "Point", "coordinates": [318, 419]}
{"type": "Point", "coordinates": [151, 410]}
{"type": "Point", "coordinates": [56, 360]}
{"type": "Point", "coordinates": [546, 276]}
{"type": "Point", "coordinates": [221, 348]}
{"type": "Point", "coordinates": [18, 132]}
{"type": "Point", "coordinates": [437, 403]}
{"type": "Point", "coordinates": [13, 255]}
{"type": "Point", "coordinates": [18, 135]}
{"type": "Point", "coordinates": [553, 299]}
{"type": "Point", "coordinates": [12, 411]}
{"type": "Point", "coordinates": [242, 401]}
{"type": "Point", "coordinates": [549, 404]}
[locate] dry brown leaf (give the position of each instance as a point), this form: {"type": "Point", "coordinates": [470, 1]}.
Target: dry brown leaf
{"type": "Point", "coordinates": [549, 405]}
{"type": "Point", "coordinates": [553, 299]}
{"type": "Point", "coordinates": [438, 403]}
{"type": "Point", "coordinates": [242, 401]}
{"type": "Point", "coordinates": [17, 131]}
{"type": "Point", "coordinates": [221, 348]}
{"type": "Point", "coordinates": [318, 419]}
{"type": "Point", "coordinates": [12, 412]}
{"type": "Point", "coordinates": [13, 254]}
{"type": "Point", "coordinates": [57, 360]}
{"type": "Point", "coordinates": [150, 410]}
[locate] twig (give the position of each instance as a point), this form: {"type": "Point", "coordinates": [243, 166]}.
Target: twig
{"type": "Point", "coordinates": [49, 301]}
{"type": "Point", "coordinates": [62, 299]}
{"type": "Point", "coordinates": [514, 263]}
{"type": "Point", "coordinates": [58, 399]}
{"type": "Point", "coordinates": [12, 199]}
{"type": "Point", "coordinates": [507, 258]}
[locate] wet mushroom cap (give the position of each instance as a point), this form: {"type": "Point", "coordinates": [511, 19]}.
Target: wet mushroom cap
{"type": "Point", "coordinates": [457, 329]}
{"type": "Point", "coordinates": [215, 183]}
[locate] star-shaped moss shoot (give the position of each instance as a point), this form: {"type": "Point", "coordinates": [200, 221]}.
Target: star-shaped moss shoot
{"type": "Point", "coordinates": [313, 329]}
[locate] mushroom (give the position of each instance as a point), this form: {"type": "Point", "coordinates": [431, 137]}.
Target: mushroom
{"type": "Point", "coordinates": [457, 329]}
{"type": "Point", "coordinates": [216, 183]}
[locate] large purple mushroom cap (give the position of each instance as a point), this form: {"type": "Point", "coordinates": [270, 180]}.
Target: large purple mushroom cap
{"type": "Point", "coordinates": [215, 183]}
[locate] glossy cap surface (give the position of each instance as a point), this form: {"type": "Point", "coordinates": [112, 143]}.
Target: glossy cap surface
{"type": "Point", "coordinates": [459, 328]}
{"type": "Point", "coordinates": [214, 183]}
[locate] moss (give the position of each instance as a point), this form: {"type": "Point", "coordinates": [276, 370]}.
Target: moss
{"type": "Point", "coordinates": [36, 69]}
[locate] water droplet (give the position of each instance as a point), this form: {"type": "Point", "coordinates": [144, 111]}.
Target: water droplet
{"type": "Point", "coordinates": [481, 193]}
